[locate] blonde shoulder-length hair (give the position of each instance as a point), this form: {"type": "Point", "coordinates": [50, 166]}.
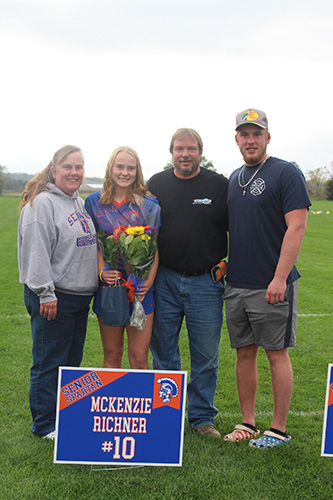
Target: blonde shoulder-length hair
{"type": "Point", "coordinates": [38, 183]}
{"type": "Point", "coordinates": [136, 191]}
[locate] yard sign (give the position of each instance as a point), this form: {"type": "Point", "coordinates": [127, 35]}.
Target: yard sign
{"type": "Point", "coordinates": [109, 416]}
{"type": "Point", "coordinates": [327, 443]}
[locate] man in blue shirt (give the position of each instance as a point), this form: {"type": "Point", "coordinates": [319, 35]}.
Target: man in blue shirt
{"type": "Point", "coordinates": [267, 205]}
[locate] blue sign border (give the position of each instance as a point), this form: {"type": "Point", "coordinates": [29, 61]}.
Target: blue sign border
{"type": "Point", "coordinates": [327, 442]}
{"type": "Point", "coordinates": [120, 417]}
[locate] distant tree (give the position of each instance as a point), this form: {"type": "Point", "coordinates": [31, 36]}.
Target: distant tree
{"type": "Point", "coordinates": [329, 189]}
{"type": "Point", "coordinates": [204, 164]}
{"type": "Point", "coordinates": [168, 165]}
{"type": "Point", "coordinates": [22, 176]}
{"type": "Point", "coordinates": [207, 164]}
{"type": "Point", "coordinates": [3, 175]}
{"type": "Point", "coordinates": [14, 185]}
{"type": "Point", "coordinates": [296, 164]}
{"type": "Point", "coordinates": [95, 180]}
{"type": "Point", "coordinates": [316, 182]}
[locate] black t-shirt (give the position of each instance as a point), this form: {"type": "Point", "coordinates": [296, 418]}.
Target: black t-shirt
{"type": "Point", "coordinates": [193, 234]}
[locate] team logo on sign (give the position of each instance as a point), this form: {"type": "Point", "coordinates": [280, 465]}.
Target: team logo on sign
{"type": "Point", "coordinates": [169, 389]}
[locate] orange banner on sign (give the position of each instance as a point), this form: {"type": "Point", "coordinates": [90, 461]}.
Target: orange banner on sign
{"type": "Point", "coordinates": [85, 385]}
{"type": "Point", "coordinates": [330, 395]}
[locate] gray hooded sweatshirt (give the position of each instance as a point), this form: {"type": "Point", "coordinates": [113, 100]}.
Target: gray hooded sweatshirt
{"type": "Point", "coordinates": [57, 247]}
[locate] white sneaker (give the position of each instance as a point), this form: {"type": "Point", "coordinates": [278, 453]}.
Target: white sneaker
{"type": "Point", "coordinates": [50, 435]}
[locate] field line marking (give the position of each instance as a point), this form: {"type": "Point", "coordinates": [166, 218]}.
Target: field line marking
{"type": "Point", "coordinates": [26, 315]}
{"type": "Point", "coordinates": [93, 315]}
{"type": "Point", "coordinates": [313, 315]}
{"type": "Point", "coordinates": [264, 414]}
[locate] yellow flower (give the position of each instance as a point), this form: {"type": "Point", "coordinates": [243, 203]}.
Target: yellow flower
{"type": "Point", "coordinates": [135, 230]}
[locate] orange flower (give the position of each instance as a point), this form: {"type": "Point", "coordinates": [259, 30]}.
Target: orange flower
{"type": "Point", "coordinates": [117, 232]}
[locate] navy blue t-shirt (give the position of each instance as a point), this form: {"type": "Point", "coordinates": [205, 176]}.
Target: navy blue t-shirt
{"type": "Point", "coordinates": [257, 221]}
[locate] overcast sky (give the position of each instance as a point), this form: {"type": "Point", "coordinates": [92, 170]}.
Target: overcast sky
{"type": "Point", "coordinates": [105, 73]}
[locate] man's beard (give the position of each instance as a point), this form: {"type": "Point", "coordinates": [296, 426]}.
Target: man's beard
{"type": "Point", "coordinates": [187, 172]}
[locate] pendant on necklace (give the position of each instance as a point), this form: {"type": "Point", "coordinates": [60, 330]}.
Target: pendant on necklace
{"type": "Point", "coordinates": [244, 191]}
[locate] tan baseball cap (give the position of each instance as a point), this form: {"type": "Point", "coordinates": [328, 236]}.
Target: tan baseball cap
{"type": "Point", "coordinates": [251, 116]}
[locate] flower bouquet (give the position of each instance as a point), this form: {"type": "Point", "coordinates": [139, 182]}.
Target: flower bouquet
{"type": "Point", "coordinates": [115, 310]}
{"type": "Point", "coordinates": [137, 246]}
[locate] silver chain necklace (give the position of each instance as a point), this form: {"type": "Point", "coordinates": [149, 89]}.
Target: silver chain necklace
{"type": "Point", "coordinates": [241, 176]}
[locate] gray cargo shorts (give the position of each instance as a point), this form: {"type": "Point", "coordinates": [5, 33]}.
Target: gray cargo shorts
{"type": "Point", "coordinates": [251, 320]}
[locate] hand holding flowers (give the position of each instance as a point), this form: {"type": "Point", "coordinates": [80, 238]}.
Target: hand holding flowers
{"type": "Point", "coordinates": [137, 246]}
{"type": "Point", "coordinates": [110, 276]}
{"type": "Point", "coordinates": [110, 252]}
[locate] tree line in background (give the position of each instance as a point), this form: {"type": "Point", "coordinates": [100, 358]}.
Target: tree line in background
{"type": "Point", "coordinates": [319, 181]}
{"type": "Point", "coordinates": [204, 164]}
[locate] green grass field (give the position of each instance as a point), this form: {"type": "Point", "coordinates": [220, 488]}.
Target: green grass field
{"type": "Point", "coordinates": [212, 469]}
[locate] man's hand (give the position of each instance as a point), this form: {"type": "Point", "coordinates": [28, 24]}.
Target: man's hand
{"type": "Point", "coordinates": [275, 291]}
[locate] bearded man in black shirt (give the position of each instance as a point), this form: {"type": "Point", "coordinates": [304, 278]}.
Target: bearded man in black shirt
{"type": "Point", "coordinates": [192, 239]}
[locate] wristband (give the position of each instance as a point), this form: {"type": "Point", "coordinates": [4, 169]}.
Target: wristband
{"type": "Point", "coordinates": [100, 275]}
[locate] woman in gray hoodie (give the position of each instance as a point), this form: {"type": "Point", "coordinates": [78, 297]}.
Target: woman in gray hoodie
{"type": "Point", "coordinates": [57, 257]}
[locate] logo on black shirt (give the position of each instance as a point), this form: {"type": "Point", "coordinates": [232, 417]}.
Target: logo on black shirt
{"type": "Point", "coordinates": [203, 201]}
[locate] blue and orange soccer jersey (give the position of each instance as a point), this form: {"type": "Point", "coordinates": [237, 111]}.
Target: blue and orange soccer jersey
{"type": "Point", "coordinates": [108, 217]}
